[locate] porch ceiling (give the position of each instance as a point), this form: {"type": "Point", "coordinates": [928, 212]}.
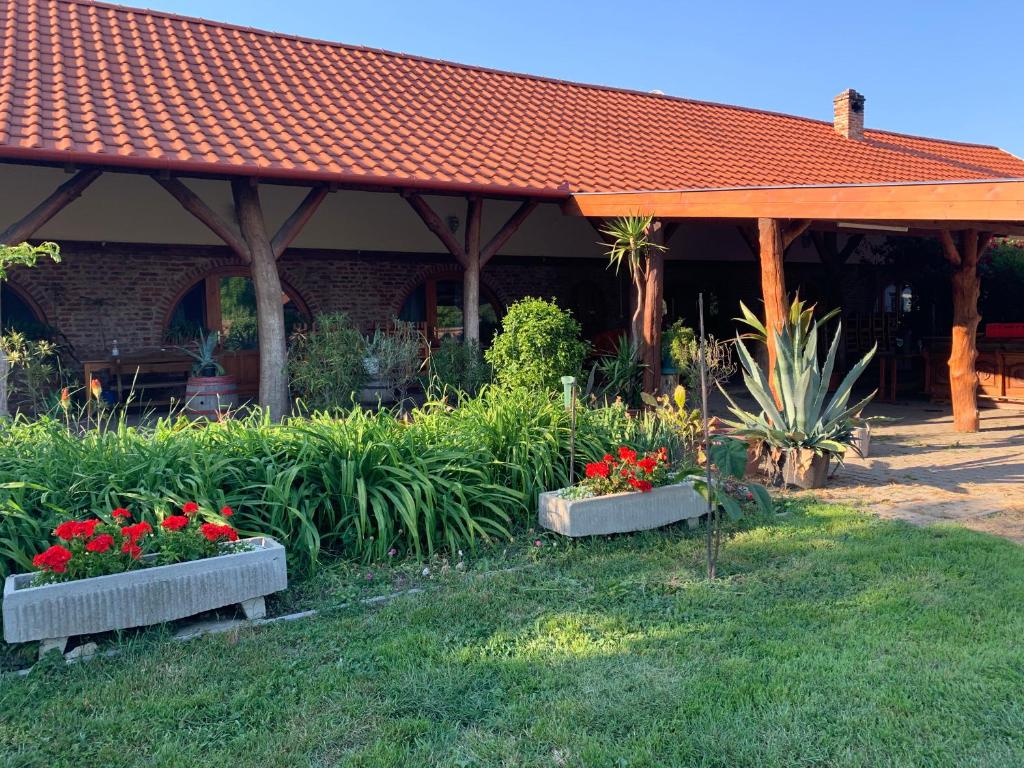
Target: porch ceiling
{"type": "Point", "coordinates": [995, 205]}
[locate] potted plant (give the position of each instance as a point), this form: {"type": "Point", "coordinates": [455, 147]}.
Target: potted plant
{"type": "Point", "coordinates": [209, 390]}
{"type": "Point", "coordinates": [799, 434]}
{"type": "Point", "coordinates": [107, 573]}
{"type": "Point", "coordinates": [622, 492]}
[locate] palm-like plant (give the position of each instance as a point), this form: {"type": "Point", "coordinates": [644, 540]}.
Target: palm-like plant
{"type": "Point", "coordinates": [802, 420]}
{"type": "Point", "coordinates": [205, 355]}
{"type": "Point", "coordinates": [628, 241]}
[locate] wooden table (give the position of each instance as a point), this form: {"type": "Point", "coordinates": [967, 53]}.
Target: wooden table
{"type": "Point", "coordinates": [130, 367]}
{"type": "Point", "coordinates": [888, 372]}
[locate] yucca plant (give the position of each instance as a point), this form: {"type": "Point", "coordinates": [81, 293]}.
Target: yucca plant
{"type": "Point", "coordinates": [803, 420]}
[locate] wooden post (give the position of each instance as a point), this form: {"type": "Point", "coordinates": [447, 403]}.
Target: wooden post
{"type": "Point", "coordinates": [471, 273]}
{"type": "Point", "coordinates": [773, 240]}
{"type": "Point", "coordinates": [963, 375]}
{"type": "Point", "coordinates": [773, 286]}
{"type": "Point", "coordinates": [269, 306]}
{"type": "Point", "coordinates": [247, 237]}
{"type": "Point", "coordinates": [654, 291]}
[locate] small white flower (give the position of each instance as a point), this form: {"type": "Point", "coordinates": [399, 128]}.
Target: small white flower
{"type": "Point", "coordinates": [426, 571]}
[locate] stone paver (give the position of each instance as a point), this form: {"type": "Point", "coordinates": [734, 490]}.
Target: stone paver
{"type": "Point", "coordinates": [921, 471]}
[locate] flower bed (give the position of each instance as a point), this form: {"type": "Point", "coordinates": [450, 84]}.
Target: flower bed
{"type": "Point", "coordinates": [99, 547]}
{"type": "Point", "coordinates": [621, 493]}
{"type": "Point", "coordinates": [109, 574]}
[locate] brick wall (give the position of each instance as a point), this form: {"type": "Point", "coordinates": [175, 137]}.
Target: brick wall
{"type": "Point", "coordinates": [101, 292]}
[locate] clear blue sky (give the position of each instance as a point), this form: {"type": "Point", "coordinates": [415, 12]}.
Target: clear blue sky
{"type": "Point", "coordinates": [947, 68]}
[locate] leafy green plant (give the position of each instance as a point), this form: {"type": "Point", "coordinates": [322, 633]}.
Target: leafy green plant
{"type": "Point", "coordinates": [205, 355]}
{"type": "Point", "coordinates": [804, 420]}
{"type": "Point", "coordinates": [800, 318]}
{"type": "Point", "coordinates": [396, 355]}
{"type": "Point", "coordinates": [458, 367]}
{"type": "Point", "coordinates": [23, 255]}
{"type": "Point", "coordinates": [326, 363]}
{"type": "Point", "coordinates": [685, 423]}
{"type": "Point", "coordinates": [538, 344]}
{"type": "Point", "coordinates": [621, 373]}
{"type": "Point", "coordinates": [35, 370]}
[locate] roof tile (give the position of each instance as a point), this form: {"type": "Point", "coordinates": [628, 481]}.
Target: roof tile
{"type": "Point", "coordinates": [82, 78]}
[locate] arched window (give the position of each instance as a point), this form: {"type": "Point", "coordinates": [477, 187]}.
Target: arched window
{"type": "Point", "coordinates": [18, 314]}
{"type": "Point", "coordinates": [226, 302]}
{"type": "Point", "coordinates": [436, 305]}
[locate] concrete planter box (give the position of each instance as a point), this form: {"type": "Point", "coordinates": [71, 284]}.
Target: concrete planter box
{"type": "Point", "coordinates": [805, 469]}
{"type": "Point", "coordinates": [861, 442]}
{"type": "Point", "coordinates": [53, 612]}
{"type": "Point", "coordinates": [621, 512]}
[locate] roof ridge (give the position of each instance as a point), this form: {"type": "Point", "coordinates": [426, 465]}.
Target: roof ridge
{"type": "Point", "coordinates": [491, 70]}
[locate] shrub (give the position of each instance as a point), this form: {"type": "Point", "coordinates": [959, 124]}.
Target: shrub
{"type": "Point", "coordinates": [457, 366]}
{"type": "Point", "coordinates": [538, 344]}
{"type": "Point", "coordinates": [325, 363]}
{"type": "Point", "coordinates": [395, 356]}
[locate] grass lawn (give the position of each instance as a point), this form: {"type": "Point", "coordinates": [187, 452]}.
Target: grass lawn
{"type": "Point", "coordinates": [833, 639]}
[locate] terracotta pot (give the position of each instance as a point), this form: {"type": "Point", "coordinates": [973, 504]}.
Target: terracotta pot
{"type": "Point", "coordinates": [804, 468]}
{"type": "Point", "coordinates": [210, 395]}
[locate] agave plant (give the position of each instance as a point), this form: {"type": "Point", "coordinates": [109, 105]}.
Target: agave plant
{"type": "Point", "coordinates": [803, 420]}
{"type": "Point", "coordinates": [205, 355]}
{"type": "Point", "coordinates": [800, 316]}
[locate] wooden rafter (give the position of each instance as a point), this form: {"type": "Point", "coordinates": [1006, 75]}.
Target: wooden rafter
{"type": "Point", "coordinates": [66, 193]}
{"type": "Point", "coordinates": [294, 224]}
{"type": "Point", "coordinates": [226, 230]}
{"type": "Point", "coordinates": [508, 229]}
{"type": "Point", "coordinates": [793, 230]}
{"type": "Point", "coordinates": [436, 225]}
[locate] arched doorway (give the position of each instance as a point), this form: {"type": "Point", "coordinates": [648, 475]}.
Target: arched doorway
{"type": "Point", "coordinates": [435, 305]}
{"type": "Point", "coordinates": [225, 301]}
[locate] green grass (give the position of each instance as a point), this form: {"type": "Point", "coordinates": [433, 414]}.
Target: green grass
{"type": "Point", "coordinates": [834, 639]}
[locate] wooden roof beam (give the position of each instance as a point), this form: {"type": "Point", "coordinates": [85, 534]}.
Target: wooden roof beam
{"type": "Point", "coordinates": [61, 197]}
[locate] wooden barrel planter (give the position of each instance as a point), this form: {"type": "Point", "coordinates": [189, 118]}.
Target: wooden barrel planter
{"type": "Point", "coordinates": [210, 396]}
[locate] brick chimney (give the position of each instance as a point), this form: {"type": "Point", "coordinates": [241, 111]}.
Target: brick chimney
{"type": "Point", "coordinates": [849, 114]}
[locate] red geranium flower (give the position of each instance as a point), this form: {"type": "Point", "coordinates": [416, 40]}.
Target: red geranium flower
{"type": "Point", "coordinates": [135, 532]}
{"type": "Point", "coordinates": [55, 559]}
{"type": "Point", "coordinates": [227, 511]}
{"type": "Point", "coordinates": [122, 512]}
{"type": "Point", "coordinates": [597, 469]}
{"type": "Point", "coordinates": [627, 455]}
{"type": "Point", "coordinates": [101, 543]}
{"type": "Point", "coordinates": [76, 529]}
{"type": "Point", "coordinates": [175, 522]}
{"type": "Point", "coordinates": [648, 464]}
{"type": "Point", "coordinates": [190, 508]}
{"type": "Point", "coordinates": [133, 549]}
{"type": "Point", "coordinates": [609, 458]}
{"type": "Point", "coordinates": [641, 485]}
{"type": "Point", "coordinates": [214, 532]}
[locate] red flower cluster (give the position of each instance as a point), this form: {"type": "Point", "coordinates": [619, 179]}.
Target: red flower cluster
{"type": "Point", "coordinates": [174, 522]}
{"type": "Point", "coordinates": [214, 532]}
{"type": "Point", "coordinates": [96, 547]}
{"type": "Point", "coordinates": [626, 471]}
{"type": "Point", "coordinates": [76, 529]}
{"type": "Point", "coordinates": [54, 560]}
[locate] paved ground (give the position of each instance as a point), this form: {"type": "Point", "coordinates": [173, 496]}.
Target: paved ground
{"type": "Point", "coordinates": [921, 471]}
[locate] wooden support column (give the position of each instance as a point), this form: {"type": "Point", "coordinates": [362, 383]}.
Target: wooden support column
{"type": "Point", "coordinates": [273, 343]}
{"type": "Point", "coordinates": [471, 257]}
{"type": "Point", "coordinates": [247, 237]}
{"type": "Point", "coordinates": [654, 291]}
{"type": "Point", "coordinates": [70, 190]}
{"type": "Point", "coordinates": [774, 238]}
{"type": "Point", "coordinates": [471, 273]}
{"type": "Point", "coordinates": [963, 375]}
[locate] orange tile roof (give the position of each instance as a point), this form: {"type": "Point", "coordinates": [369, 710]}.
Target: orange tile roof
{"type": "Point", "coordinates": [87, 82]}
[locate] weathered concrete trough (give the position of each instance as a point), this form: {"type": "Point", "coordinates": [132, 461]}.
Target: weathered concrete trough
{"type": "Point", "coordinates": [54, 612]}
{"type": "Point", "coordinates": [621, 512]}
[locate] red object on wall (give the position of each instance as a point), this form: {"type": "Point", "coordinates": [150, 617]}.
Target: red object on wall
{"type": "Point", "coordinates": [1004, 331]}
